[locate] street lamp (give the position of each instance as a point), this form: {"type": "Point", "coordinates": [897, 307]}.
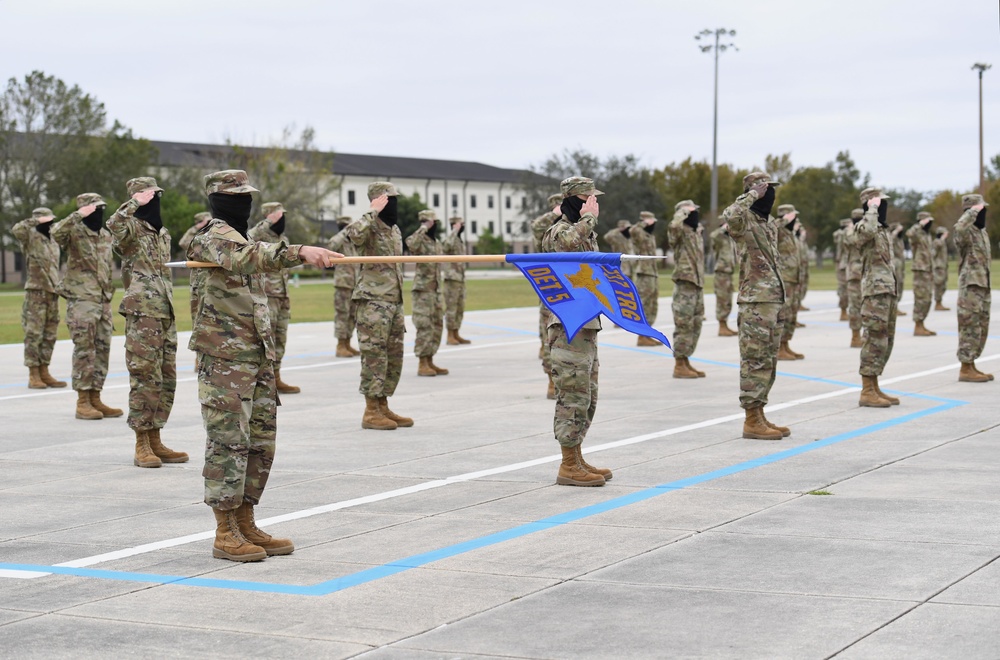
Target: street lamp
{"type": "Point", "coordinates": [717, 48]}
{"type": "Point", "coordinates": [980, 67]}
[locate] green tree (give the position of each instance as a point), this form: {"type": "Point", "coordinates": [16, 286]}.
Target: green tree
{"type": "Point", "coordinates": [488, 243]}
{"type": "Point", "coordinates": [408, 209]}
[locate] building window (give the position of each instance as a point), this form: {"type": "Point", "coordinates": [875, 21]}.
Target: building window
{"type": "Point", "coordinates": [491, 227]}
{"type": "Point", "coordinates": [454, 201]}
{"type": "Point", "coordinates": [437, 200]}
{"type": "Point", "coordinates": [524, 203]}
{"type": "Point", "coordinates": [472, 201]}
{"type": "Point", "coordinates": [350, 197]}
{"type": "Point", "coordinates": [506, 201]}
{"type": "Point", "coordinates": [489, 201]}
{"type": "Point", "coordinates": [474, 229]}
{"type": "Point", "coordinates": [510, 228]}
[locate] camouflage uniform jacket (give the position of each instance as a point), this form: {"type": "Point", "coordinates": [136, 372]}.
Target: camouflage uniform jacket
{"type": "Point", "coordinates": [973, 252]}
{"type": "Point", "coordinates": [898, 249]}
{"type": "Point", "coordinates": [232, 321]}
{"type": "Point", "coordinates": [876, 253]}
{"type": "Point", "coordinates": [540, 225]}
{"type": "Point", "coordinates": [41, 253]}
{"type": "Point", "coordinates": [345, 276]}
{"type": "Point", "coordinates": [185, 241]}
{"type": "Point", "coordinates": [643, 243]}
{"type": "Point", "coordinates": [757, 242]}
{"type": "Point", "coordinates": [617, 241]}
{"type": "Point", "coordinates": [789, 261]}
{"type": "Point", "coordinates": [920, 242]}
{"type": "Point", "coordinates": [144, 252]}
{"type": "Point", "coordinates": [939, 255]}
{"type": "Point", "coordinates": [852, 254]}
{"type": "Point", "coordinates": [88, 260]}
{"type": "Point", "coordinates": [372, 237]}
{"type": "Point", "coordinates": [803, 256]}
{"type": "Point", "coordinates": [838, 248]}
{"type": "Point", "coordinates": [427, 276]}
{"type": "Point", "coordinates": [454, 244]}
{"type": "Point", "coordinates": [689, 251]}
{"type": "Point", "coordinates": [725, 251]}
{"type": "Point", "coordinates": [275, 284]}
{"type": "Point", "coordinates": [565, 236]}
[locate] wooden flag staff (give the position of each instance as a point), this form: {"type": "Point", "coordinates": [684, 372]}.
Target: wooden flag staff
{"type": "Point", "coordinates": [408, 259]}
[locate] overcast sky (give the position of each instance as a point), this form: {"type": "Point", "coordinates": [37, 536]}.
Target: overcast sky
{"type": "Point", "coordinates": [509, 83]}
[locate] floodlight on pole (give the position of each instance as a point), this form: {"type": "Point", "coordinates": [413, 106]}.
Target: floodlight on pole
{"type": "Point", "coordinates": [981, 67]}
{"type": "Point", "coordinates": [717, 48]}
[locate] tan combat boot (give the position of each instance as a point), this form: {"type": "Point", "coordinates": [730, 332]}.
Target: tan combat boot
{"type": "Point", "coordinates": [843, 315]}
{"type": "Point", "coordinates": [920, 331]}
{"type": "Point", "coordinates": [938, 307]}
{"type": "Point", "coordinates": [900, 312]}
{"type": "Point", "coordinates": [800, 324]}
{"type": "Point", "coordinates": [785, 353]}
{"type": "Point", "coordinates": [755, 427]}
{"type": "Point", "coordinates": [682, 369]}
{"type": "Point", "coordinates": [687, 361]}
{"type": "Point", "coordinates": [43, 372]}
{"type": "Point", "coordinates": [453, 338]}
{"type": "Point", "coordinates": [643, 340]}
{"type": "Point", "coordinates": [163, 452]}
{"type": "Point", "coordinates": [255, 535]}
{"type": "Point", "coordinates": [282, 386]}
{"type": "Point", "coordinates": [783, 430]}
{"type": "Point", "coordinates": [374, 418]}
{"type": "Point", "coordinates": [724, 330]}
{"type": "Point", "coordinates": [856, 340]}
{"type": "Point", "coordinates": [84, 409]}
{"type": "Point", "coordinates": [107, 411]}
{"type": "Point", "coordinates": [550, 393]}
{"type": "Point", "coordinates": [803, 308]}
{"type": "Point", "coordinates": [571, 473]}
{"type": "Point", "coordinates": [604, 472]}
{"type": "Point", "coordinates": [35, 381]}
{"type": "Point", "coordinates": [344, 349]}
{"type": "Point", "coordinates": [144, 456]}
{"type": "Point", "coordinates": [988, 376]}
{"type": "Point", "coordinates": [229, 540]}
{"type": "Point", "coordinates": [425, 369]}
{"type": "Point", "coordinates": [352, 349]}
{"type": "Point", "coordinates": [869, 395]}
{"type": "Point", "coordinates": [439, 370]}
{"type": "Point", "coordinates": [460, 338]}
{"type": "Point", "coordinates": [969, 374]}
{"type": "Point", "coordinates": [405, 422]}
{"type": "Point", "coordinates": [798, 356]}
{"type": "Point", "coordinates": [891, 399]}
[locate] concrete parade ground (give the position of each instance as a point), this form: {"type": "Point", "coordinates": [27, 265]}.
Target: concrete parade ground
{"type": "Point", "coordinates": [869, 533]}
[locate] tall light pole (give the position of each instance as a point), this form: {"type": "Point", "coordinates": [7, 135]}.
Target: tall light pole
{"type": "Point", "coordinates": [980, 67]}
{"type": "Point", "coordinates": [717, 48]}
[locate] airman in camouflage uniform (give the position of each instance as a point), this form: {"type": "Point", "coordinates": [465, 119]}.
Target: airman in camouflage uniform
{"type": "Point", "coordinates": [854, 272]}
{"type": "Point", "coordinates": [790, 267]}
{"type": "Point", "coordinates": [233, 340]}
{"type": "Point", "coordinates": [379, 294]}
{"type": "Point", "coordinates": [200, 220]}
{"type": "Point", "coordinates": [575, 365]}
{"type": "Point", "coordinates": [143, 243]}
{"type": "Point", "coordinates": [272, 230]}
{"type": "Point", "coordinates": [688, 305]}
{"type": "Point", "coordinates": [40, 312]}
{"type": "Point", "coordinates": [345, 276]}
{"type": "Point", "coordinates": [939, 257]}
{"type": "Point", "coordinates": [923, 282]}
{"type": "Point", "coordinates": [840, 263]}
{"type": "Point", "coordinates": [617, 239]}
{"type": "Point", "coordinates": [428, 301]}
{"type": "Point", "coordinates": [539, 226]}
{"type": "Point", "coordinates": [454, 282]}
{"type": "Point", "coordinates": [974, 258]}
{"type": "Point", "coordinates": [800, 237]}
{"type": "Point", "coordinates": [644, 275]}
{"type": "Point", "coordinates": [898, 261]}
{"type": "Point", "coordinates": [725, 264]}
{"type": "Point", "coordinates": [761, 297]}
{"type": "Point", "coordinates": [88, 288]}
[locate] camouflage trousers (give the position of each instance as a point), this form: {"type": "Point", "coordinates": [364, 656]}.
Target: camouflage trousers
{"type": "Point", "coordinates": [923, 290]}
{"type": "Point", "coordinates": [151, 358]}
{"type": "Point", "coordinates": [543, 334]}
{"type": "Point", "coordinates": [803, 287]}
{"type": "Point", "coordinates": [280, 312]}
{"type": "Point", "coordinates": [90, 327]}
{"type": "Point", "coordinates": [345, 312]}
{"type": "Point", "coordinates": [760, 326]}
{"type": "Point", "coordinates": [380, 339]}
{"type": "Point", "coordinates": [454, 303]}
{"type": "Point", "coordinates": [940, 284]}
{"type": "Point", "coordinates": [723, 295]}
{"type": "Point", "coordinates": [854, 303]}
{"type": "Point", "coordinates": [688, 306]}
{"type": "Point", "coordinates": [790, 310]}
{"type": "Point", "coordinates": [40, 320]}
{"type": "Point", "coordinates": [239, 409]}
{"type": "Point", "coordinates": [878, 318]}
{"type": "Point", "coordinates": [574, 373]}
{"type": "Point", "coordinates": [842, 288]}
{"type": "Point", "coordinates": [973, 322]}
{"type": "Point", "coordinates": [648, 287]}
{"type": "Point", "coordinates": [899, 268]}
{"type": "Point", "coordinates": [428, 318]}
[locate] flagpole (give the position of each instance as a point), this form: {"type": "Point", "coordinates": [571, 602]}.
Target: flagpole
{"type": "Point", "coordinates": [407, 259]}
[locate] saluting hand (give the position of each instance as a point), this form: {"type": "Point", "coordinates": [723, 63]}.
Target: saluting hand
{"type": "Point", "coordinates": [875, 202]}
{"type": "Point", "coordinates": [84, 211]}
{"type": "Point", "coordinates": [380, 202]}
{"type": "Point", "coordinates": [591, 206]}
{"type": "Point", "coordinates": [144, 196]}
{"type": "Point", "coordinates": [760, 189]}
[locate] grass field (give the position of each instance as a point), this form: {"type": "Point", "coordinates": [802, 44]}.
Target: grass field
{"type": "Point", "coordinates": [313, 300]}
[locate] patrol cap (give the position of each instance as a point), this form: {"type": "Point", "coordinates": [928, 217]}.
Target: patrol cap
{"type": "Point", "coordinates": [377, 188]}
{"type": "Point", "coordinates": [41, 212]}
{"type": "Point", "coordinates": [752, 179]}
{"type": "Point", "coordinates": [228, 182]}
{"type": "Point", "coordinates": [427, 214]}
{"type": "Point", "coordinates": [845, 222]}
{"type": "Point", "coordinates": [939, 231]}
{"type": "Point", "coordinates": [204, 215]}
{"type": "Point", "coordinates": [343, 221]}
{"type": "Point", "coordinates": [578, 185]}
{"type": "Point", "coordinates": [973, 199]}
{"type": "Point", "coordinates": [923, 215]}
{"type": "Point", "coordinates": [622, 224]}
{"type": "Point", "coordinates": [784, 209]}
{"type": "Point", "coordinates": [857, 214]}
{"type": "Point", "coordinates": [140, 183]}
{"type": "Point", "coordinates": [554, 199]}
{"type": "Point", "coordinates": [89, 198]}
{"type": "Point", "coordinates": [456, 218]}
{"type": "Point", "coordinates": [872, 193]}
{"type": "Point", "coordinates": [270, 207]}
{"type": "Point", "coordinates": [647, 215]}
{"type": "Point", "coordinates": [685, 202]}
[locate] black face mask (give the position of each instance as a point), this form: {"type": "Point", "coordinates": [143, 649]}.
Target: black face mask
{"type": "Point", "coordinates": [649, 228]}
{"type": "Point", "coordinates": [150, 212]}
{"type": "Point", "coordinates": [762, 206]}
{"type": "Point", "coordinates": [233, 209]}
{"type": "Point", "coordinates": [44, 228]}
{"type": "Point", "coordinates": [883, 213]}
{"type": "Point", "coordinates": [571, 207]}
{"type": "Point", "coordinates": [460, 229]}
{"type": "Point", "coordinates": [279, 226]}
{"type": "Point", "coordinates": [390, 214]}
{"type": "Point", "coordinates": [692, 219]}
{"type": "Point", "coordinates": [981, 218]}
{"type": "Point", "coordinates": [626, 232]}
{"type": "Point", "coordinates": [95, 219]}
{"type": "Point", "coordinates": [855, 221]}
{"type": "Point", "coordinates": [790, 226]}
{"type": "Point", "coordinates": [432, 231]}
{"type": "Point", "coordinates": [927, 227]}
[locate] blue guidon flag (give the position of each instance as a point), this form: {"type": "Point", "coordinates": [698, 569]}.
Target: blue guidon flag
{"type": "Point", "coordinates": [578, 286]}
